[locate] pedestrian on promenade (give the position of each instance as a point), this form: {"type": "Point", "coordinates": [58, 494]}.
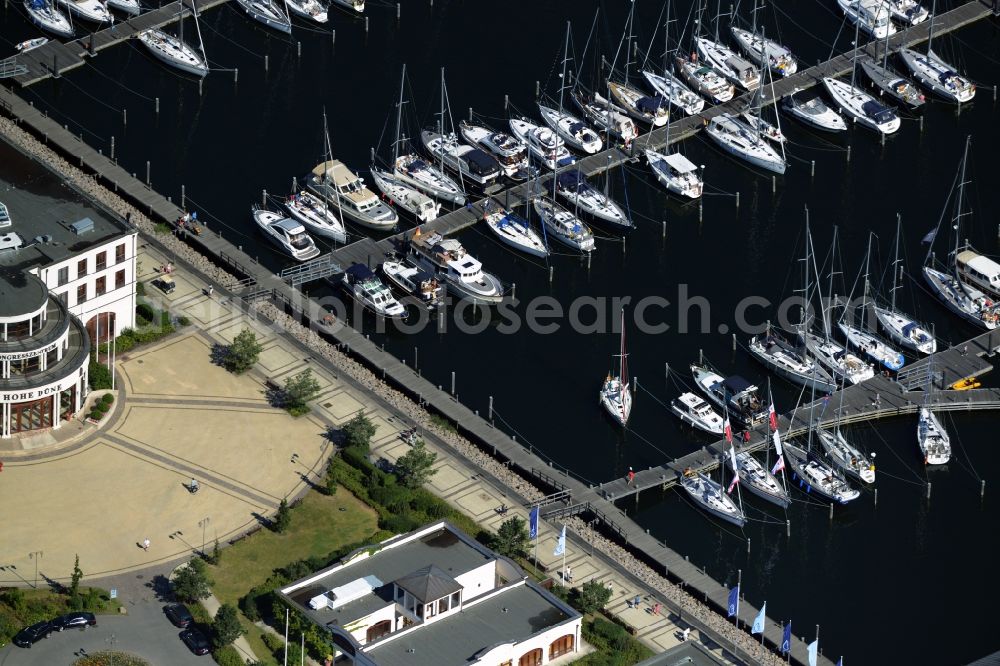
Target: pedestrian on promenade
{"type": "Point", "coordinates": [145, 544]}
{"type": "Point", "coordinates": [631, 477]}
{"type": "Point", "coordinates": [636, 601]}
{"type": "Point", "coordinates": [686, 634]}
{"type": "Point", "coordinates": [656, 608]}
{"type": "Point", "coordinates": [211, 289]}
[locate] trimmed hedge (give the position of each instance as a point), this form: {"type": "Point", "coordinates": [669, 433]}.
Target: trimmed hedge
{"type": "Point", "coordinates": [228, 656]}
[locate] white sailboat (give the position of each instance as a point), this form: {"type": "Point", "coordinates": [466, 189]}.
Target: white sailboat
{"type": "Point", "coordinates": [514, 230]}
{"type": "Point", "coordinates": [937, 75]}
{"type": "Point", "coordinates": [872, 16]}
{"type": "Point", "coordinates": [710, 495]}
{"type": "Point", "coordinates": [288, 234]}
{"type": "Point", "coordinates": [269, 13]}
{"type": "Point", "coordinates": [846, 456]}
{"type": "Point", "coordinates": [605, 116]}
{"type": "Point", "coordinates": [311, 10]}
{"type": "Point", "coordinates": [728, 63]}
{"type": "Point", "coordinates": [130, 7]}
{"type": "Point", "coordinates": [670, 87]}
{"type": "Point", "coordinates": [93, 11]}
{"type": "Point", "coordinates": [778, 58]}
{"type": "Point", "coordinates": [676, 173]}
{"type": "Point", "coordinates": [816, 476]}
{"type": "Point", "coordinates": [569, 127]}
{"type": "Point", "coordinates": [935, 444]}
{"type": "Point", "coordinates": [900, 327]}
{"type": "Point", "coordinates": [615, 395]}
{"type": "Point", "coordinates": [511, 153]}
{"type": "Point", "coordinates": [572, 186]}
{"type": "Point", "coordinates": [861, 106]}
{"type": "Point", "coordinates": [758, 480]}
{"type": "Point", "coordinates": [705, 80]}
{"type": "Point", "coordinates": [907, 12]}
{"type": "Point", "coordinates": [650, 110]}
{"type": "Point", "coordinates": [410, 199]}
{"type": "Point", "coordinates": [315, 214]}
{"type": "Point", "coordinates": [563, 225]}
{"type": "Point", "coordinates": [789, 361]}
{"type": "Point", "coordinates": [44, 14]}
{"type": "Point", "coordinates": [174, 51]}
{"type": "Point", "coordinates": [815, 113]}
{"type": "Point", "coordinates": [740, 140]}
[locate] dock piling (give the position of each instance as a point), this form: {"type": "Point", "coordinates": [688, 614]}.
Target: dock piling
{"type": "Point", "coordinates": [157, 103]}
{"type": "Point", "coordinates": [748, 545]}
{"type": "Point", "coordinates": [183, 197]}
{"type": "Point", "coordinates": [200, 87]}
{"type": "Point", "coordinates": [397, 11]}
{"type": "Point", "coordinates": [701, 209]}
{"type": "Point", "coordinates": [453, 382]}
{"type": "Point", "coordinates": [848, 153]}
{"type": "Point", "coordinates": [921, 120]}
{"type": "Point", "coordinates": [737, 200]}
{"type": "Point", "coordinates": [124, 117]}
{"type": "Point", "coordinates": [538, 89]}
{"type": "Point", "coordinates": [491, 410]}
{"type": "Point", "coordinates": [664, 228]}
{"type": "Point", "coordinates": [113, 153]}
{"type": "Point", "coordinates": [366, 25]}
{"type": "Point", "coordinates": [236, 75]}
{"type": "Point", "coordinates": [265, 63]}
{"type": "Point", "coordinates": [298, 48]}
{"type": "Point", "coordinates": [788, 528]}
{"type": "Point", "coordinates": [774, 183]}
{"type": "Point", "coordinates": [506, 102]}
{"type": "Point", "coordinates": [263, 198]}
{"type": "Point", "coordinates": [551, 269]}
{"type": "Point", "coordinates": [929, 484]}
{"type": "Point", "coordinates": [831, 510]}
{"type": "Point", "coordinates": [734, 342]}
{"type": "Point", "coordinates": [701, 357]}
{"type": "Point", "coordinates": [876, 497]}
{"type": "Point", "coordinates": [333, 37]}
{"type": "Point", "coordinates": [147, 173]}
{"type": "Point", "coordinates": [812, 169]}
{"type": "Point", "coordinates": [470, 114]}
{"type": "Point", "coordinates": [982, 483]}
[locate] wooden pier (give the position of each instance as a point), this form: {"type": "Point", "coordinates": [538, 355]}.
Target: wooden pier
{"type": "Point", "coordinates": [55, 58]}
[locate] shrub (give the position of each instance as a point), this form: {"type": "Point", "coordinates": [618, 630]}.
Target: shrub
{"type": "Point", "coordinates": [226, 626]}
{"type": "Point", "coordinates": [140, 289]}
{"type": "Point", "coordinates": [192, 582]}
{"type": "Point", "coordinates": [227, 656]}
{"type": "Point", "coordinates": [183, 321]}
{"type": "Point", "coordinates": [96, 415]}
{"type": "Point", "coordinates": [108, 398]}
{"type": "Point", "coordinates": [145, 312]}
{"type": "Point", "coordinates": [357, 457]}
{"type": "Point", "coordinates": [399, 523]}
{"type": "Point", "coordinates": [591, 597]}
{"type": "Point", "coordinates": [98, 376]}
{"type": "Point", "coordinates": [393, 497]}
{"type": "Point", "coordinates": [101, 407]}
{"type": "Point", "coordinates": [272, 642]}
{"type": "Point", "coordinates": [283, 518]}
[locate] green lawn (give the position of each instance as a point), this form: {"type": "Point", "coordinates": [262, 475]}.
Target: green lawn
{"type": "Point", "coordinates": [320, 525]}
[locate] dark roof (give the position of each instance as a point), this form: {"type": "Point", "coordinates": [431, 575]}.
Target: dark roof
{"type": "Point", "coordinates": [360, 272]}
{"type": "Point", "coordinates": [736, 384]}
{"type": "Point", "coordinates": [428, 583]}
{"type": "Point", "coordinates": [20, 292]}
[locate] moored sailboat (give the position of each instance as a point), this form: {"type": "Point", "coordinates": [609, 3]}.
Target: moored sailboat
{"type": "Point", "coordinates": [514, 230]}
{"type": "Point", "coordinates": [615, 396]}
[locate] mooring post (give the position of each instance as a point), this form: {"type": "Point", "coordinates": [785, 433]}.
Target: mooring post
{"type": "Point", "coordinates": [788, 528]}
{"type": "Point", "coordinates": [812, 169]}
{"type": "Point", "coordinates": [416, 358]}
{"type": "Point", "coordinates": [124, 117]}
{"type": "Point", "coordinates": [397, 11]}
{"type": "Point", "coordinates": [366, 25]}
{"type": "Point", "coordinates": [263, 198]}
{"type": "Point", "coordinates": [147, 173]}
{"type": "Point", "coordinates": [831, 510]}
{"type": "Point", "coordinates": [876, 497]}
{"type": "Point", "coordinates": [550, 274]}
{"type": "Point", "coordinates": [453, 382]}
{"type": "Point", "coordinates": [113, 150]}
{"type": "Point", "coordinates": [470, 114]}
{"type": "Point", "coordinates": [774, 184]}
{"type": "Point", "coordinates": [265, 63]}
{"type": "Point", "coordinates": [157, 101]}
{"type": "Point", "coordinates": [921, 120]}
{"type": "Point", "coordinates": [982, 483]}
{"type": "Point", "coordinates": [748, 547]}
{"type": "Point", "coordinates": [929, 490]}
{"type": "Point", "coordinates": [183, 197]}
{"type": "Point", "coordinates": [200, 81]}
{"type": "Point", "coordinates": [491, 409]}
{"type": "Point", "coordinates": [236, 75]}
{"type": "Point", "coordinates": [298, 48]}
{"type": "Point", "coordinates": [701, 357]}
{"type": "Point", "coordinates": [333, 37]}
{"type": "Point", "coordinates": [848, 153]}
{"type": "Point", "coordinates": [506, 101]}
{"type": "Point", "coordinates": [737, 200]}
{"type": "Point", "coordinates": [664, 228]}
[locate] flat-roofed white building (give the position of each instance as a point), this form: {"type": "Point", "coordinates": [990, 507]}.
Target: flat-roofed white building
{"type": "Point", "coordinates": [436, 596]}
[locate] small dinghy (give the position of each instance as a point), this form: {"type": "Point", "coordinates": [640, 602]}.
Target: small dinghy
{"type": "Point", "coordinates": [29, 44]}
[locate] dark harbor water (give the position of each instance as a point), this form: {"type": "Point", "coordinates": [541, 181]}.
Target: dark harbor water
{"type": "Point", "coordinates": [909, 581]}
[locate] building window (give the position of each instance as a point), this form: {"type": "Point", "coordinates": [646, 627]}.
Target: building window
{"type": "Point", "coordinates": [533, 658]}
{"type": "Point", "coordinates": [63, 275]}
{"type": "Point", "coordinates": [102, 261]}
{"type": "Point", "coordinates": [455, 598]}
{"type": "Point", "coordinates": [120, 253]}
{"type": "Point", "coordinates": [64, 298]}
{"type": "Point", "coordinates": [378, 630]}
{"type": "Point", "coordinates": [432, 609]}
{"type": "Point", "coordinates": [81, 268]}
{"type": "Point", "coordinates": [560, 646]}
{"type": "Point", "coordinates": [120, 279]}
{"type": "Point", "coordinates": [101, 286]}
{"type": "Point", "coordinates": [443, 604]}
{"type": "Point", "coordinates": [400, 593]}
{"type": "Point", "coordinates": [26, 416]}
{"type": "Point", "coordinates": [19, 329]}
{"type": "Point", "coordinates": [420, 611]}
{"type": "Point", "coordinates": [81, 293]}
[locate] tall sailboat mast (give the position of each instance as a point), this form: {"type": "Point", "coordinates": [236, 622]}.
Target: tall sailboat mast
{"type": "Point", "coordinates": [562, 78]}
{"type": "Point", "coordinates": [895, 265]}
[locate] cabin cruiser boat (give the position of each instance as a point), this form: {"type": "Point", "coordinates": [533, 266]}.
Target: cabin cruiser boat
{"type": "Point", "coordinates": [572, 130]}
{"type": "Point", "coordinates": [907, 12]}
{"type": "Point", "coordinates": [44, 14]}
{"type": "Point", "coordinates": [861, 106]}
{"type": "Point", "coordinates": [816, 476]}
{"type": "Point", "coordinates": [573, 187]}
{"type": "Point", "coordinates": [471, 164]}
{"type": "Point", "coordinates": [606, 116]}
{"type": "Point", "coordinates": [312, 10]}
{"type": "Point", "coordinates": [840, 363]}
{"type": "Point", "coordinates": [680, 96]}
{"type": "Point", "coordinates": [316, 216]}
{"type": "Point", "coordinates": [511, 154]}
{"type": "Point", "coordinates": [789, 362]}
{"type": "Point", "coordinates": [333, 181]}
{"type": "Point", "coordinates": [815, 113]}
{"type": "Point", "coordinates": [938, 76]}
{"type": "Point", "coordinates": [933, 439]}
{"type": "Point", "coordinates": [563, 225]}
{"type": "Point", "coordinates": [871, 346]}
{"type": "Point", "coordinates": [906, 331]}
{"type": "Point", "coordinates": [846, 456]}
{"type": "Point", "coordinates": [705, 81]}
{"type": "Point", "coordinates": [979, 270]}
{"type": "Point", "coordinates": [420, 284]}
{"type": "Point", "coordinates": [94, 11]}
{"type": "Point", "coordinates": [415, 171]}
{"type": "Point", "coordinates": [728, 63]}
{"type": "Point", "coordinates": [361, 284]}
{"type": "Point", "coordinates": [462, 273]}
{"type": "Point", "coordinates": [267, 12]}
{"type": "Point", "coordinates": [738, 397]}
{"type": "Point", "coordinates": [651, 110]}
{"type": "Point", "coordinates": [892, 83]}
{"type": "Point", "coordinates": [758, 480]}
{"type": "Point", "coordinates": [779, 58]}
{"type": "Point", "coordinates": [739, 139]}
{"type": "Point", "coordinates": [288, 234]}
{"type": "Point", "coordinates": [872, 16]}
{"type": "Point", "coordinates": [172, 51]}
{"type": "Point", "coordinates": [676, 173]}
{"type": "Point", "coordinates": [514, 231]}
{"type": "Point", "coordinates": [543, 143]}
{"type": "Point", "coordinates": [410, 199]}
{"type": "Point", "coordinates": [693, 410]}
{"type": "Point", "coordinates": [130, 7]}
{"type": "Point", "coordinates": [711, 497]}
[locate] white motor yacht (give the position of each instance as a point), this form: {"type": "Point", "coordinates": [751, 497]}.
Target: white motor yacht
{"type": "Point", "coordinates": [846, 456]}
{"type": "Point", "coordinates": [316, 216]}
{"type": "Point", "coordinates": [267, 12]}
{"type": "Point", "coordinates": [605, 116]}
{"type": "Point", "coordinates": [312, 10]}
{"type": "Point", "coordinates": [872, 16]}
{"type": "Point", "coordinates": [840, 363]}
{"type": "Point", "coordinates": [705, 80]}
{"type": "Point", "coordinates": [514, 231]}
{"type": "Point", "coordinates": [815, 113]}
{"type": "Point", "coordinates": [938, 76]}
{"type": "Point", "coordinates": [361, 284]}
{"type": "Point", "coordinates": [813, 475]}
{"type": "Point", "coordinates": [779, 58]}
{"type": "Point", "coordinates": [870, 345]}
{"type": "Point", "coordinates": [418, 283]}
{"type": "Point", "coordinates": [758, 480]}
{"type": "Point", "coordinates": [907, 12]}
{"type": "Point", "coordinates": [347, 195]}
{"type": "Point", "coordinates": [461, 272]}
{"type": "Point", "coordinates": [288, 234]}
{"type": "Point", "coordinates": [410, 199]}
{"type": "Point", "coordinates": [511, 153]}
{"type": "Point", "coordinates": [93, 11]}
{"type": "Point", "coordinates": [739, 398]}
{"type": "Point", "coordinates": [650, 110]}
{"type": "Point", "coordinates": [543, 143]}
{"type": "Point", "coordinates": [693, 410]}
{"type": "Point", "coordinates": [739, 139]}
{"type": "Point", "coordinates": [573, 130]}
{"type": "Point", "coordinates": [130, 7]}
{"type": "Point", "coordinates": [906, 331]}
{"type": "Point", "coordinates": [563, 225]}
{"type": "Point", "coordinates": [44, 14]}
{"type": "Point", "coordinates": [572, 186]}
{"type": "Point", "coordinates": [861, 106]}
{"type": "Point", "coordinates": [680, 96]}
{"type": "Point", "coordinates": [935, 444]}
{"type": "Point", "coordinates": [473, 165]}
{"type": "Point", "coordinates": [676, 173]}
{"type": "Point", "coordinates": [171, 51]}
{"type": "Point", "coordinates": [427, 178]}
{"type": "Point", "coordinates": [728, 63]}
{"type": "Point", "coordinates": [711, 497]}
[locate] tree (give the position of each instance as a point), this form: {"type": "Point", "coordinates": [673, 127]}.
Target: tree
{"type": "Point", "coordinates": [192, 582]}
{"type": "Point", "coordinates": [512, 537]}
{"type": "Point", "coordinates": [415, 466]}
{"type": "Point", "coordinates": [243, 353]}
{"type": "Point", "coordinates": [74, 585]}
{"type": "Point", "coordinates": [359, 432]}
{"type": "Point", "coordinates": [299, 390]}
{"type": "Point", "coordinates": [592, 597]}
{"type": "Point", "coordinates": [283, 518]}
{"type": "Point", "coordinates": [226, 626]}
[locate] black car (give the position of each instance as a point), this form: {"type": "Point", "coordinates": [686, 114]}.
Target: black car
{"type": "Point", "coordinates": [196, 641]}
{"type": "Point", "coordinates": [74, 620]}
{"type": "Point", "coordinates": [179, 615]}
{"type": "Point", "coordinates": [31, 635]}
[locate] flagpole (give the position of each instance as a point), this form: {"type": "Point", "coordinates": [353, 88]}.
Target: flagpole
{"type": "Point", "coordinates": [739, 584]}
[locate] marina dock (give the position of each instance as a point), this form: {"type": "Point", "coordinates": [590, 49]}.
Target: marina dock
{"type": "Point", "coordinates": [878, 398]}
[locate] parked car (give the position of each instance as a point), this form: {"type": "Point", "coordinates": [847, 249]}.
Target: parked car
{"type": "Point", "coordinates": [31, 635]}
{"type": "Point", "coordinates": [179, 615]}
{"type": "Point", "coordinates": [165, 284]}
{"type": "Point", "coordinates": [74, 620]}
{"type": "Point", "coordinates": [196, 641]}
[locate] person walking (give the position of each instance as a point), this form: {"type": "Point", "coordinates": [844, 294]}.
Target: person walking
{"type": "Point", "coordinates": [631, 477]}
{"type": "Point", "coordinates": [145, 544]}
{"type": "Point", "coordinates": [686, 633]}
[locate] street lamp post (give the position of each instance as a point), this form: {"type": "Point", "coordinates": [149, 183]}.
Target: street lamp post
{"type": "Point", "coordinates": [203, 524]}
{"type": "Point", "coordinates": [110, 640]}
{"type": "Point", "coordinates": [36, 555]}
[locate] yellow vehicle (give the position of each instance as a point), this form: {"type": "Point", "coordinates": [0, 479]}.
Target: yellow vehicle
{"type": "Point", "coordinates": [966, 384]}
